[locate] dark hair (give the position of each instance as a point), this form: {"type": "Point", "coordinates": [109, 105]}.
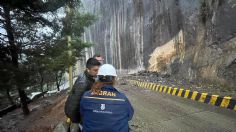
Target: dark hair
{"type": "Point", "coordinates": [97, 86]}
{"type": "Point", "coordinates": [102, 78]}
{"type": "Point", "coordinates": [97, 55]}
{"type": "Point", "coordinates": [91, 62]}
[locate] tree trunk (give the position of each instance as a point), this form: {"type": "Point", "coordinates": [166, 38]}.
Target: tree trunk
{"type": "Point", "coordinates": [41, 82]}
{"type": "Point", "coordinates": [47, 87]}
{"type": "Point", "coordinates": [9, 97]}
{"type": "Point", "coordinates": [23, 100]}
{"type": "Point", "coordinates": [57, 82]}
{"type": "Point", "coordinates": [14, 54]}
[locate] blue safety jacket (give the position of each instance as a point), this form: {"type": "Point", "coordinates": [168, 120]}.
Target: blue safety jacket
{"type": "Point", "coordinates": [106, 111]}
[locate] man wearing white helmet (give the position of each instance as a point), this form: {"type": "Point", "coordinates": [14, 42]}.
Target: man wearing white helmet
{"type": "Point", "coordinates": [104, 108]}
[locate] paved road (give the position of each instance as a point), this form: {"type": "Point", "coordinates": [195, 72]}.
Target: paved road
{"type": "Point", "coordinates": [159, 112]}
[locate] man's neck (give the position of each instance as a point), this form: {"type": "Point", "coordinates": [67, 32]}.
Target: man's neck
{"type": "Point", "coordinates": [88, 75]}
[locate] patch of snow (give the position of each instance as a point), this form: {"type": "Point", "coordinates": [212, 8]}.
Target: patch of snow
{"type": "Point", "coordinates": [62, 87]}
{"type": "Point", "coordinates": [52, 91]}
{"type": "Point", "coordinates": [32, 95]}
{"type": "Point", "coordinates": [66, 84]}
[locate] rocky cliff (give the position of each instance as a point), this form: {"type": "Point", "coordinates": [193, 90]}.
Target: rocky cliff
{"type": "Point", "coordinates": [191, 39]}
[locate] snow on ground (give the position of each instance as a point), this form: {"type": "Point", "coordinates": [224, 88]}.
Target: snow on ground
{"type": "Point", "coordinates": [32, 95]}
{"type": "Point", "coordinates": [62, 87]}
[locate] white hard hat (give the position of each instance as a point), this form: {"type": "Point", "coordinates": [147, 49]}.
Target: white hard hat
{"type": "Point", "coordinates": [107, 70]}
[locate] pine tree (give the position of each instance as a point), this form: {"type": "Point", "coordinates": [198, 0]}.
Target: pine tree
{"type": "Point", "coordinates": [19, 24]}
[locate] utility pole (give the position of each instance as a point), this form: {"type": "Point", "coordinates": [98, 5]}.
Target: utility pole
{"type": "Point", "coordinates": [70, 53]}
{"type": "Point", "coordinates": [70, 66]}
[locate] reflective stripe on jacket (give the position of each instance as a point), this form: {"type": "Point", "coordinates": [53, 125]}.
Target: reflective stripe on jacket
{"type": "Point", "coordinates": [106, 111]}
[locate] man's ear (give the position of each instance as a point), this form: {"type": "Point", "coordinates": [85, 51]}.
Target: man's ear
{"type": "Point", "coordinates": [87, 69]}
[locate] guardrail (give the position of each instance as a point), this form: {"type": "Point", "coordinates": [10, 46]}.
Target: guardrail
{"type": "Point", "coordinates": [217, 100]}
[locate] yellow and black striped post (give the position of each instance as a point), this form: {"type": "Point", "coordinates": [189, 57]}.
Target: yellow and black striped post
{"type": "Point", "coordinates": [224, 102]}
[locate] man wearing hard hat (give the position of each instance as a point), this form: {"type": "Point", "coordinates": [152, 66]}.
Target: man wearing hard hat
{"type": "Point", "coordinates": [104, 108]}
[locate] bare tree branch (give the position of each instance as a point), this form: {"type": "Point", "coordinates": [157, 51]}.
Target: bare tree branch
{"type": "Point", "coordinates": [2, 14]}
{"type": "Point", "coordinates": [1, 34]}
{"type": "Point", "coordinates": [3, 40]}
{"type": "Point", "coordinates": [2, 21]}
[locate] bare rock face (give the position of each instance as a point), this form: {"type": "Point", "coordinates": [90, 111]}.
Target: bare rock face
{"type": "Point", "coordinates": [192, 39]}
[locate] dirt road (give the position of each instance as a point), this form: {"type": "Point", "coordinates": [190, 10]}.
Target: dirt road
{"type": "Point", "coordinates": [159, 112]}
{"type": "Point", "coordinates": [154, 112]}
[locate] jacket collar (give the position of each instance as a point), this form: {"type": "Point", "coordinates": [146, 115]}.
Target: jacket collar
{"type": "Point", "coordinates": [110, 87]}
{"type": "Point", "coordinates": [89, 77]}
